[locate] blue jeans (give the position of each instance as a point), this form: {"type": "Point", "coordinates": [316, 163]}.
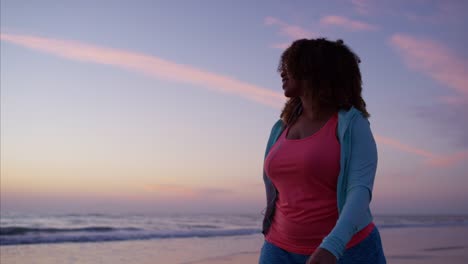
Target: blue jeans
{"type": "Point", "coordinates": [368, 251]}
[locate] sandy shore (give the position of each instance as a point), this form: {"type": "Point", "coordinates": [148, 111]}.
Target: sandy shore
{"type": "Point", "coordinates": [426, 245]}
{"type": "Point", "coordinates": [401, 245]}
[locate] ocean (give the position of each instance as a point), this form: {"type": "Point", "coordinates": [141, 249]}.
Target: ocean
{"type": "Point", "coordinates": [20, 229]}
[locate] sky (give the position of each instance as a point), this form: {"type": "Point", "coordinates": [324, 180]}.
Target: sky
{"type": "Point", "coordinates": [166, 106]}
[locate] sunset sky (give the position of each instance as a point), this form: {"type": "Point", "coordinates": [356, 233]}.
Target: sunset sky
{"type": "Point", "coordinates": [166, 106]}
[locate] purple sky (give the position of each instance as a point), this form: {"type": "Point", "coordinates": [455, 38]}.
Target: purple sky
{"type": "Point", "coordinates": [166, 107]}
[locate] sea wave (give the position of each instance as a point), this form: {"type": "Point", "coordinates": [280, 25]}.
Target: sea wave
{"type": "Point", "coordinates": [19, 230]}
{"type": "Point", "coordinates": [37, 229]}
{"type": "Point", "coordinates": [44, 235]}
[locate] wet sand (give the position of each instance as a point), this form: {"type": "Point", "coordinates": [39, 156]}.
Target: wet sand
{"type": "Point", "coordinates": [401, 245]}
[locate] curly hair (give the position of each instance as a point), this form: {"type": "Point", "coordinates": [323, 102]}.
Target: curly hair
{"type": "Point", "coordinates": [331, 71]}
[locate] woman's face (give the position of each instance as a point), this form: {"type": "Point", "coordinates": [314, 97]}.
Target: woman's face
{"type": "Point", "coordinates": [291, 87]}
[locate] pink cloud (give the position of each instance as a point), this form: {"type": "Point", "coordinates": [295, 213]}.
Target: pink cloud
{"type": "Point", "coordinates": [272, 21]}
{"type": "Point", "coordinates": [404, 147]}
{"type": "Point", "coordinates": [349, 24]}
{"type": "Point", "coordinates": [178, 190]}
{"type": "Point", "coordinates": [453, 100]}
{"type": "Point", "coordinates": [362, 7]}
{"type": "Point", "coordinates": [171, 190]}
{"type": "Point", "coordinates": [164, 69]}
{"type": "Point", "coordinates": [442, 12]}
{"type": "Point", "coordinates": [149, 65]}
{"type": "Point", "coordinates": [280, 45]}
{"type": "Point", "coordinates": [434, 60]}
{"type": "Point", "coordinates": [447, 161]}
{"type": "Point", "coordinates": [432, 159]}
{"type": "Point", "coordinates": [291, 31]}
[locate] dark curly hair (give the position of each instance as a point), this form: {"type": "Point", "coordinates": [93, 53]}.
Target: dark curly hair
{"type": "Point", "coordinates": [332, 72]}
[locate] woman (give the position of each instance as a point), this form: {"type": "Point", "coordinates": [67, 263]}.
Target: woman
{"type": "Point", "coordinates": [320, 162]}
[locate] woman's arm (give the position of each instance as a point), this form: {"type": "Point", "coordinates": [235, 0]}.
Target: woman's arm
{"type": "Point", "coordinates": [361, 174]}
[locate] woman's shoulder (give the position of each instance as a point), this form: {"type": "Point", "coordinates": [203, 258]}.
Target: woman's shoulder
{"type": "Point", "coordinates": [279, 124]}
{"type": "Point", "coordinates": [352, 115]}
{"type": "Point", "coordinates": [277, 128]}
{"type": "Point", "coordinates": [354, 120]}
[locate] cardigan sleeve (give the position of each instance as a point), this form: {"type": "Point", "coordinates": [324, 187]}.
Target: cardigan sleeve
{"type": "Point", "coordinates": [361, 173]}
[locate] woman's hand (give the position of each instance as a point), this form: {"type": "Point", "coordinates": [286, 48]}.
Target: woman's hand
{"type": "Point", "coordinates": [321, 256]}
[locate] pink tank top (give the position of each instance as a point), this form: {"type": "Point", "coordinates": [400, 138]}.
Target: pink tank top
{"type": "Point", "coordinates": [305, 173]}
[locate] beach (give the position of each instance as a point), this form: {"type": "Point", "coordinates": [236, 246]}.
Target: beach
{"type": "Point", "coordinates": [406, 245]}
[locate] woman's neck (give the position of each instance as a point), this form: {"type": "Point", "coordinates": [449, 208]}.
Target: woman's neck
{"type": "Point", "coordinates": [312, 112]}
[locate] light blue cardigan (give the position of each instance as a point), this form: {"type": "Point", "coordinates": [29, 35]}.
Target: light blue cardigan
{"type": "Point", "coordinates": [358, 164]}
